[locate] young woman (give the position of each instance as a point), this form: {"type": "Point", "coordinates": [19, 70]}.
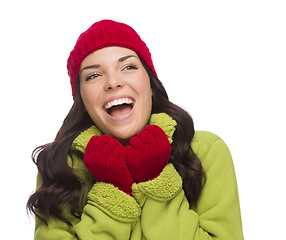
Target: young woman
{"type": "Point", "coordinates": [127, 163]}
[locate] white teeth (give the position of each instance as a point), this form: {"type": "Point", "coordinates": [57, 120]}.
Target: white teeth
{"type": "Point", "coordinates": [119, 101]}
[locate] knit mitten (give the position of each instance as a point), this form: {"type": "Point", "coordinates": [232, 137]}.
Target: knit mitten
{"type": "Point", "coordinates": [148, 153]}
{"type": "Point", "coordinates": [105, 158]}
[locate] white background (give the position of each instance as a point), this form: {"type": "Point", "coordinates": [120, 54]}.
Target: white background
{"type": "Point", "coordinates": [223, 61]}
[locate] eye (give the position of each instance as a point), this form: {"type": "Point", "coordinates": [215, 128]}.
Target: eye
{"type": "Point", "coordinates": [130, 67]}
{"type": "Point", "coordinates": [92, 76]}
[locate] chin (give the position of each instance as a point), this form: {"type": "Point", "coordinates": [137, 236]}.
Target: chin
{"type": "Point", "coordinates": [125, 133]}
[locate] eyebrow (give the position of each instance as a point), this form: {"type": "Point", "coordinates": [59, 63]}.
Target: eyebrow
{"type": "Point", "coordinates": [91, 66]}
{"type": "Point", "coordinates": [126, 57]}
{"type": "Point", "coordinates": [98, 66]}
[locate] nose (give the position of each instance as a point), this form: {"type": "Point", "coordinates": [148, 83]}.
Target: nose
{"type": "Point", "coordinates": [113, 82]}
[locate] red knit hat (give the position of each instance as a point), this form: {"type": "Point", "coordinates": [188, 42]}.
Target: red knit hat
{"type": "Point", "coordinates": [103, 34]}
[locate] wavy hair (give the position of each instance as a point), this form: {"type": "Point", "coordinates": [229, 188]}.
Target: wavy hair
{"type": "Point", "coordinates": [59, 186]}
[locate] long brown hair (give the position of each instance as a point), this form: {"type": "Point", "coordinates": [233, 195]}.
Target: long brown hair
{"type": "Point", "coordinates": [60, 186]}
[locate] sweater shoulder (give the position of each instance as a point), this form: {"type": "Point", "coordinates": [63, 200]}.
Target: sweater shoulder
{"type": "Point", "coordinates": [203, 141]}
{"type": "Point", "coordinates": [205, 137]}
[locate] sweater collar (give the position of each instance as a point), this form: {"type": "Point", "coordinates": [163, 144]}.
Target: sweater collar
{"type": "Point", "coordinates": [163, 120]}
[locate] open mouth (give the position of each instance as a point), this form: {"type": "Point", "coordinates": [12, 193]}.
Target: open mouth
{"type": "Point", "coordinates": [119, 107]}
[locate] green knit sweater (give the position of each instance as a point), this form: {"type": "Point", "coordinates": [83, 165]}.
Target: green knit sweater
{"type": "Point", "coordinates": [158, 208]}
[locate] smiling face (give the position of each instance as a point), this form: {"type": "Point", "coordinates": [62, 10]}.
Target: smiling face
{"type": "Point", "coordinates": [116, 92]}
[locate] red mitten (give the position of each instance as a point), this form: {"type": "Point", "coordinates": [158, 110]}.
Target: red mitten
{"type": "Point", "coordinates": [105, 158]}
{"type": "Point", "coordinates": [148, 153]}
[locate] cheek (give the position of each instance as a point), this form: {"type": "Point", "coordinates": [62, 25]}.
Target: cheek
{"type": "Point", "coordinates": [147, 91]}
{"type": "Point", "coordinates": [142, 86]}
{"type": "Point", "coordinates": [90, 96]}
{"type": "Point", "coordinates": [144, 92]}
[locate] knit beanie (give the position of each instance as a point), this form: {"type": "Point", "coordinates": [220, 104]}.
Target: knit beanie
{"type": "Point", "coordinates": [102, 34]}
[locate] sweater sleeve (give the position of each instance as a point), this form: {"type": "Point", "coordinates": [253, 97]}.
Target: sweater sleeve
{"type": "Point", "coordinates": [108, 214]}
{"type": "Point", "coordinates": [165, 209]}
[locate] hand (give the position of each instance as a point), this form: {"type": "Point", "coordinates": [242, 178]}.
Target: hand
{"type": "Point", "coordinates": [148, 153]}
{"type": "Point", "coordinates": [105, 158]}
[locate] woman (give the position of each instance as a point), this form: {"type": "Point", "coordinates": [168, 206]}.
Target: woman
{"type": "Point", "coordinates": [126, 163]}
